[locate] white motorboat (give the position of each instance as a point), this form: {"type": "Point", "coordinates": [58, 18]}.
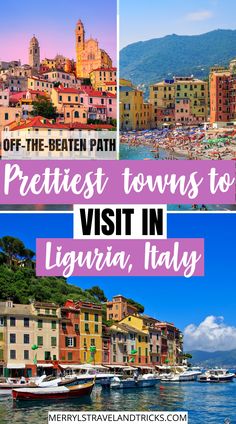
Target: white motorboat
{"type": "Point", "coordinates": [181, 374]}
{"type": "Point", "coordinates": [217, 375]}
{"type": "Point", "coordinates": [144, 381]}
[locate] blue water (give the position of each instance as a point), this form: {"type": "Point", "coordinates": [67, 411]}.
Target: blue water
{"type": "Point", "coordinates": [128, 152]}
{"type": "Point", "coordinates": [205, 403]}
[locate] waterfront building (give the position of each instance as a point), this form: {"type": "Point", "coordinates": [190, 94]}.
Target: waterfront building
{"type": "Point", "coordinates": [34, 54]}
{"type": "Point", "coordinates": [179, 100]}
{"type": "Point", "coordinates": [30, 337]}
{"type": "Point", "coordinates": [220, 86]}
{"type": "Point", "coordinates": [123, 344]}
{"type": "Point", "coordinates": [162, 99]}
{"type": "Point", "coordinates": [106, 345]}
{"type": "Point", "coordinates": [135, 113]}
{"type": "Point", "coordinates": [88, 54]}
{"type": "Point", "coordinates": [171, 343]}
{"type": "Point", "coordinates": [118, 308]}
{"type": "Point", "coordinates": [149, 342]}
{"type": "Point", "coordinates": [69, 329]}
{"type": "Point", "coordinates": [90, 332]}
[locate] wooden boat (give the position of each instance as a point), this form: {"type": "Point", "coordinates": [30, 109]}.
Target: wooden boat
{"type": "Point", "coordinates": [53, 393]}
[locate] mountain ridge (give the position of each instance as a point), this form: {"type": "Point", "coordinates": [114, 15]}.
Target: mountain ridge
{"type": "Point", "coordinates": [225, 358]}
{"type": "Point", "coordinates": [150, 61]}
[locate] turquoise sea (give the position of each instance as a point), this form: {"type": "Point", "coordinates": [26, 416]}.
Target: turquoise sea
{"type": "Point", "coordinates": [205, 403]}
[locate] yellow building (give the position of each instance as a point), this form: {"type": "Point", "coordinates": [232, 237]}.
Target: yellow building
{"type": "Point", "coordinates": [162, 99]}
{"type": "Point", "coordinates": [40, 84]}
{"type": "Point", "coordinates": [135, 113]}
{"type": "Point", "coordinates": [102, 78]}
{"type": "Point", "coordinates": [88, 54]}
{"type": "Point", "coordinates": [90, 332]}
{"type": "Point", "coordinates": [180, 100]}
{"type": "Point", "coordinates": [70, 105]}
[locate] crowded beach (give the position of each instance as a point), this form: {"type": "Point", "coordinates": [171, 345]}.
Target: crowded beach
{"type": "Point", "coordinates": [191, 142]}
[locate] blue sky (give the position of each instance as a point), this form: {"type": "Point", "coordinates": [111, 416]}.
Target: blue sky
{"type": "Point", "coordinates": [53, 22]}
{"type": "Point", "coordinates": [142, 20]}
{"type": "Point", "coordinates": [178, 300]}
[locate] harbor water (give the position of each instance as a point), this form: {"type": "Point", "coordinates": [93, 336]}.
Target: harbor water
{"type": "Point", "coordinates": [205, 403]}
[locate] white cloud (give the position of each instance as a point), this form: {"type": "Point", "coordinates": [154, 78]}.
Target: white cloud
{"type": "Point", "coordinates": [210, 335]}
{"type": "Point", "coordinates": [201, 15]}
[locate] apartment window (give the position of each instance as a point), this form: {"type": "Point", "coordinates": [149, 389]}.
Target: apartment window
{"type": "Point", "coordinates": [12, 354]}
{"type": "Point", "coordinates": [12, 338]}
{"type": "Point", "coordinates": [2, 322]}
{"type": "Point", "coordinates": [40, 341]}
{"type": "Point", "coordinates": [26, 338]}
{"type": "Point", "coordinates": [1, 355]}
{"type": "Point", "coordinates": [92, 342]}
{"type": "Point", "coordinates": [96, 328]}
{"type": "Point", "coordinates": [12, 322]}
{"type": "Point", "coordinates": [76, 114]}
{"type": "Point", "coordinates": [114, 358]}
{"type": "Point", "coordinates": [60, 98]}
{"type": "Point", "coordinates": [47, 356]}
{"type": "Point", "coordinates": [71, 341]}
{"type": "Point", "coordinates": [69, 98]}
{"type": "Point", "coordinates": [85, 356]}
{"type": "Point", "coordinates": [76, 328]}
{"type": "Point", "coordinates": [47, 311]}
{"type": "Point", "coordinates": [86, 316]}
{"type": "Point", "coordinates": [70, 356]}
{"type": "Point", "coordinates": [53, 341]}
{"type": "Point", "coordinates": [6, 116]}
{"type": "Point", "coordinates": [96, 317]}
{"type": "Point", "coordinates": [53, 325]}
{"type": "Point", "coordinates": [26, 322]}
{"type": "Point", "coordinates": [1, 337]}
{"type": "Point", "coordinates": [139, 339]}
{"type": "Point", "coordinates": [40, 323]}
{"type": "Point", "coordinates": [63, 326]}
{"type": "Point", "coordinates": [86, 327]}
{"type": "Point", "coordinates": [26, 354]}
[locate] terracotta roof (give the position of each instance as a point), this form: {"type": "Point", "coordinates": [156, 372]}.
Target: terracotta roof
{"type": "Point", "coordinates": [67, 90]}
{"type": "Point", "coordinates": [105, 69]}
{"type": "Point", "coordinates": [111, 83]}
{"type": "Point", "coordinates": [37, 122]}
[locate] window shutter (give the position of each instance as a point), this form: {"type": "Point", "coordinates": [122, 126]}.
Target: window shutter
{"type": "Point", "coordinates": [66, 341]}
{"type": "Point", "coordinates": [74, 341]}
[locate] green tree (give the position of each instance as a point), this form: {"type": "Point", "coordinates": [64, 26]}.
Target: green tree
{"type": "Point", "coordinates": [12, 248]}
{"type": "Point", "coordinates": [44, 107]}
{"type": "Point", "coordinates": [98, 293]}
{"type": "Point", "coordinates": [139, 307]}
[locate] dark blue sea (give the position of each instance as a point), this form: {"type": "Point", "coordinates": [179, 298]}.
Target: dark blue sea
{"type": "Point", "coordinates": [205, 403]}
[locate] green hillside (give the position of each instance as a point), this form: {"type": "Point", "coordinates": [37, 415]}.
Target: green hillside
{"type": "Point", "coordinates": [153, 60]}
{"type": "Point", "coordinates": [214, 359]}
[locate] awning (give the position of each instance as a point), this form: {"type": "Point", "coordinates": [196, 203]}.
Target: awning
{"type": "Point", "coordinates": [83, 367]}
{"type": "Point", "coordinates": [143, 367]}
{"type": "Point", "coordinates": [123, 367]}
{"type": "Point", "coordinates": [45, 365]}
{"type": "Point", "coordinates": [15, 366]}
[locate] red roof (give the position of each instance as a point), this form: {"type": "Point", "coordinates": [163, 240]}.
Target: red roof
{"type": "Point", "coordinates": [67, 90]}
{"type": "Point", "coordinates": [41, 93]}
{"type": "Point", "coordinates": [38, 122]}
{"type": "Point", "coordinates": [111, 83]}
{"type": "Point", "coordinates": [15, 97]}
{"type": "Point", "coordinates": [104, 69]}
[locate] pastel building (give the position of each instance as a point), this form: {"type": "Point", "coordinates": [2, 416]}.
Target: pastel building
{"type": "Point", "coordinates": [220, 96]}
{"type": "Point", "coordinates": [30, 338]}
{"type": "Point", "coordinates": [135, 113]}
{"type": "Point", "coordinates": [69, 333]}
{"type": "Point", "coordinates": [171, 343]}
{"type": "Point", "coordinates": [40, 84]}
{"type": "Point", "coordinates": [4, 97]}
{"type": "Point", "coordinates": [65, 79]}
{"type": "Point", "coordinates": [89, 56]}
{"type": "Point", "coordinates": [90, 332]}
{"type": "Point", "coordinates": [70, 104]}
{"type": "Point", "coordinates": [119, 307]}
{"type": "Point", "coordinates": [101, 78]}
{"type": "Point", "coordinates": [162, 99]}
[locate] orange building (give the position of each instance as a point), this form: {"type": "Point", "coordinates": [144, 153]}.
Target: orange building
{"type": "Point", "coordinates": [69, 333]}
{"type": "Point", "coordinates": [88, 54]}
{"type": "Point", "coordinates": [219, 95]}
{"type": "Point", "coordinates": [119, 308]}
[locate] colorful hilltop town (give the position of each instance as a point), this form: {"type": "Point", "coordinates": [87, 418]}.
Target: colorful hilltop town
{"type": "Point", "coordinates": [198, 117]}
{"type": "Point", "coordinates": [43, 337]}
{"type": "Point", "coordinates": [82, 91]}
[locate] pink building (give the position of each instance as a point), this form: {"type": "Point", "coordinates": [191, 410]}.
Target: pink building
{"type": "Point", "coordinates": [101, 105]}
{"type": "Point", "coordinates": [183, 111]}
